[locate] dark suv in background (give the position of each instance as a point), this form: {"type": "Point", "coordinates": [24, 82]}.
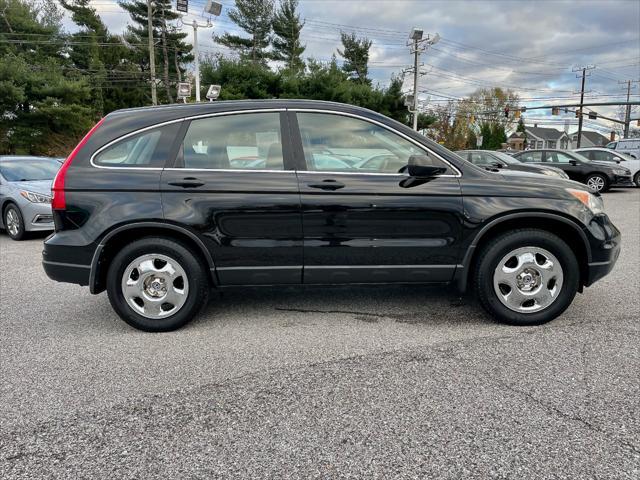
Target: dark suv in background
{"type": "Point", "coordinates": [598, 176]}
{"type": "Point", "coordinates": [492, 160]}
{"type": "Point", "coordinates": [157, 205]}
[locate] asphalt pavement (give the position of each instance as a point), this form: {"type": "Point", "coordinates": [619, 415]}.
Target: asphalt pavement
{"type": "Point", "coordinates": [353, 382]}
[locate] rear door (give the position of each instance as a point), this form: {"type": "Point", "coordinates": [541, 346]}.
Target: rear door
{"type": "Point", "coordinates": [233, 182]}
{"type": "Point", "coordinates": [364, 220]}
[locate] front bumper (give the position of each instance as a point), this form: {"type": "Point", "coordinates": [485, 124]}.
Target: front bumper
{"type": "Point", "coordinates": [605, 240]}
{"type": "Point", "coordinates": [622, 181]}
{"type": "Point", "coordinates": [37, 217]}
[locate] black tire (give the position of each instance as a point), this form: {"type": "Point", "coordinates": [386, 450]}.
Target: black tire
{"type": "Point", "coordinates": [198, 292]}
{"type": "Point", "coordinates": [21, 232]}
{"type": "Point", "coordinates": [636, 179]}
{"type": "Point", "coordinates": [497, 248]}
{"type": "Point", "coordinates": [603, 178]}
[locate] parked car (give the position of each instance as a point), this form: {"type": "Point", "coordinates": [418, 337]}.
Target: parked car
{"type": "Point", "coordinates": [598, 176]}
{"type": "Point", "coordinates": [25, 194]}
{"type": "Point", "coordinates": [630, 146]}
{"type": "Point", "coordinates": [601, 154]}
{"type": "Point", "coordinates": [140, 213]}
{"type": "Point", "coordinates": [491, 160]}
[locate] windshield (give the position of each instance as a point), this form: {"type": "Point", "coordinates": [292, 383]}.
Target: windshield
{"type": "Point", "coordinates": [505, 157]}
{"type": "Point", "coordinates": [25, 169]}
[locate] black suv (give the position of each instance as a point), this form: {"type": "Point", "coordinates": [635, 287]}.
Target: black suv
{"type": "Point", "coordinates": [157, 205]}
{"type": "Point", "coordinates": [598, 176]}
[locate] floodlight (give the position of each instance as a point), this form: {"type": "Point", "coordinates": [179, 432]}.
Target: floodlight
{"type": "Point", "coordinates": [213, 92]}
{"type": "Point", "coordinates": [213, 8]}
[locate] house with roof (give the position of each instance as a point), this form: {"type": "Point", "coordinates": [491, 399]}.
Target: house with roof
{"type": "Point", "coordinates": [540, 137]}
{"type": "Point", "coordinates": [590, 139]}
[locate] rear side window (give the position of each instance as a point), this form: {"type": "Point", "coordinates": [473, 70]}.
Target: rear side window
{"type": "Point", "coordinates": [245, 141]}
{"type": "Point", "coordinates": [530, 157]}
{"type": "Point", "coordinates": [135, 151]}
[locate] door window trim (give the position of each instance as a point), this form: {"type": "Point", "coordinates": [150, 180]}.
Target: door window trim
{"type": "Point", "coordinates": [183, 119]}
{"type": "Point", "coordinates": [458, 173]}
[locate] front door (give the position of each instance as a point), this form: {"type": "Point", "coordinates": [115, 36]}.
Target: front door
{"type": "Point", "coordinates": [364, 219]}
{"type": "Point", "coordinates": [234, 183]}
{"type": "Point", "coordinates": [569, 165]}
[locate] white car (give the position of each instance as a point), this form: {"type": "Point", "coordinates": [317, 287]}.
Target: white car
{"type": "Point", "coordinates": [602, 154]}
{"type": "Point", "coordinates": [630, 146]}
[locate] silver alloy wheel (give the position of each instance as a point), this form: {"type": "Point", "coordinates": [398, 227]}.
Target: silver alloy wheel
{"type": "Point", "coordinates": [595, 183]}
{"type": "Point", "coordinates": [528, 279]}
{"type": "Point", "coordinates": [13, 222]}
{"type": "Point", "coordinates": [155, 286]}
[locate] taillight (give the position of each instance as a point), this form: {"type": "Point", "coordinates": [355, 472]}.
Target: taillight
{"type": "Point", "coordinates": [58, 201]}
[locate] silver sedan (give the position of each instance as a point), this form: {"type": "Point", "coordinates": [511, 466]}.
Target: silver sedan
{"type": "Point", "coordinates": [25, 194]}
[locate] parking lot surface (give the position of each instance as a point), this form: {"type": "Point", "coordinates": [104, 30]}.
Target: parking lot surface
{"type": "Point", "coordinates": [375, 382]}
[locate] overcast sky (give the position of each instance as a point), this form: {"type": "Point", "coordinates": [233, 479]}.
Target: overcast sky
{"type": "Point", "coordinates": [530, 46]}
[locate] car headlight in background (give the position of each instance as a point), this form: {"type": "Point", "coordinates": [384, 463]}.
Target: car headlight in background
{"type": "Point", "coordinates": [35, 197]}
{"type": "Point", "coordinates": [552, 173]}
{"type": "Point", "coordinates": [619, 171]}
{"type": "Point", "coordinates": [589, 200]}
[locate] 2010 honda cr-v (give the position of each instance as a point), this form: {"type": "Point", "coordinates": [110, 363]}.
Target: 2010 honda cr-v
{"type": "Point", "coordinates": [157, 205]}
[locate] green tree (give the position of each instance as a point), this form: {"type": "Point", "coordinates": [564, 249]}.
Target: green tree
{"type": "Point", "coordinates": [44, 107]}
{"type": "Point", "coordinates": [255, 18]}
{"type": "Point", "coordinates": [286, 42]}
{"type": "Point", "coordinates": [355, 52]}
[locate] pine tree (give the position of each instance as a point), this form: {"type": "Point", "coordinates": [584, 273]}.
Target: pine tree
{"type": "Point", "coordinates": [173, 51]}
{"type": "Point", "coordinates": [286, 42]}
{"type": "Point", "coordinates": [44, 106]}
{"type": "Point", "coordinates": [255, 18]}
{"type": "Point", "coordinates": [355, 52]}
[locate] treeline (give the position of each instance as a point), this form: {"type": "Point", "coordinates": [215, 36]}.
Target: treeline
{"type": "Point", "coordinates": [54, 85]}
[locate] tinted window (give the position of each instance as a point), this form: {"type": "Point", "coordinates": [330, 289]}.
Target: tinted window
{"type": "Point", "coordinates": [600, 155]}
{"type": "Point", "coordinates": [29, 169]}
{"type": "Point", "coordinates": [482, 159]}
{"type": "Point", "coordinates": [135, 151]}
{"type": "Point", "coordinates": [340, 143]}
{"type": "Point", "coordinates": [249, 141]}
{"type": "Point", "coordinates": [530, 157]}
{"type": "Point", "coordinates": [558, 157]}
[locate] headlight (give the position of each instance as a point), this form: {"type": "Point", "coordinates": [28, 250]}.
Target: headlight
{"type": "Point", "coordinates": [551, 173]}
{"type": "Point", "coordinates": [619, 171]}
{"type": "Point", "coordinates": [35, 197]}
{"type": "Point", "coordinates": [589, 200]}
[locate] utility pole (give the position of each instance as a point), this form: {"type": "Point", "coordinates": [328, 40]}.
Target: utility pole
{"type": "Point", "coordinates": [584, 74]}
{"type": "Point", "coordinates": [152, 54]}
{"type": "Point", "coordinates": [627, 117]}
{"type": "Point", "coordinates": [417, 46]}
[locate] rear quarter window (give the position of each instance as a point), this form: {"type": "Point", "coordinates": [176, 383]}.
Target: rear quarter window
{"type": "Point", "coordinates": [145, 149]}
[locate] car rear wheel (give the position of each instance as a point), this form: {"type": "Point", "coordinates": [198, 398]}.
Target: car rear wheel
{"type": "Point", "coordinates": [597, 183]}
{"type": "Point", "coordinates": [526, 277]}
{"type": "Point", "coordinates": [636, 179]}
{"type": "Point", "coordinates": [14, 222]}
{"type": "Point", "coordinates": [156, 284]}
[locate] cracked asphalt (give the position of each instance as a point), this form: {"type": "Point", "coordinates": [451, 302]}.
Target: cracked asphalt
{"type": "Point", "coordinates": [354, 382]}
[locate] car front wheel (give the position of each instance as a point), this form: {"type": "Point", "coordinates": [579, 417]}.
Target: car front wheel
{"type": "Point", "coordinates": [157, 284]}
{"type": "Point", "coordinates": [636, 179]}
{"type": "Point", "coordinates": [526, 277]}
{"type": "Point", "coordinates": [14, 223]}
{"type": "Point", "coordinates": [597, 183]}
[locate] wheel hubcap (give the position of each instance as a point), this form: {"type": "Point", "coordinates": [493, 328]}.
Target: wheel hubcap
{"type": "Point", "coordinates": [155, 286]}
{"type": "Point", "coordinates": [596, 183]}
{"type": "Point", "coordinates": [13, 223]}
{"type": "Point", "coordinates": [528, 279]}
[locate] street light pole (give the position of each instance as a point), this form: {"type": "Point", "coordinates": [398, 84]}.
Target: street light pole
{"type": "Point", "coordinates": [197, 59]}
{"type": "Point", "coordinates": [152, 54]}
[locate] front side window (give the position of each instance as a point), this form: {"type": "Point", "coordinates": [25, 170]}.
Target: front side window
{"type": "Point", "coordinates": [135, 151]}
{"type": "Point", "coordinates": [245, 141]}
{"type": "Point", "coordinates": [558, 157]}
{"type": "Point", "coordinates": [481, 159]}
{"type": "Point", "coordinates": [601, 155]}
{"type": "Point", "coordinates": [531, 157]}
{"type": "Point", "coordinates": [338, 143]}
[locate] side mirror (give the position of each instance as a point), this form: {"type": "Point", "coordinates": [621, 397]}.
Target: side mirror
{"type": "Point", "coordinates": [497, 165]}
{"type": "Point", "coordinates": [419, 167]}
{"type": "Point", "coordinates": [618, 159]}
{"type": "Point", "coordinates": [573, 162]}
